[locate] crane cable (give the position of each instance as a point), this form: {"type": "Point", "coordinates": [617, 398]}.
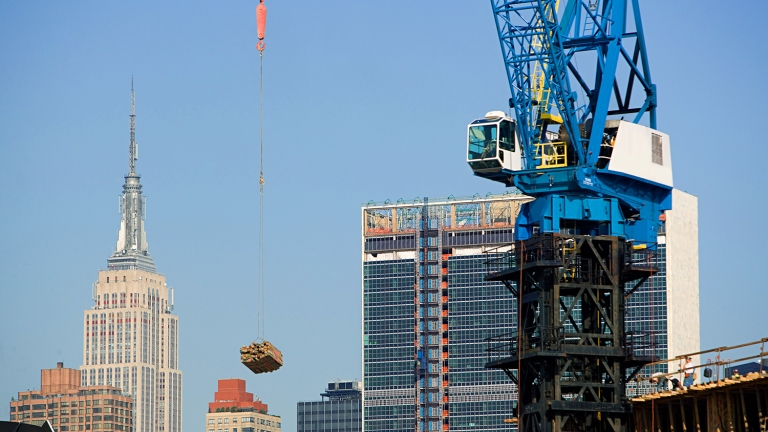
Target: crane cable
{"type": "Point", "coordinates": [260, 294]}
{"type": "Point", "coordinates": [261, 23]}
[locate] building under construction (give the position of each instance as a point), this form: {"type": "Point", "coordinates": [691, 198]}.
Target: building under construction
{"type": "Point", "coordinates": [428, 312]}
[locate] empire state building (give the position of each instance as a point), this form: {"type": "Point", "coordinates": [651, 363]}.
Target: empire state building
{"type": "Point", "coordinates": [130, 335]}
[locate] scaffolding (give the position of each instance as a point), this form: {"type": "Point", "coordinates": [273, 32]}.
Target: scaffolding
{"type": "Point", "coordinates": [449, 213]}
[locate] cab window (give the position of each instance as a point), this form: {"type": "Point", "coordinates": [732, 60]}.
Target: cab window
{"type": "Point", "coordinates": [507, 136]}
{"type": "Point", "coordinates": [482, 141]}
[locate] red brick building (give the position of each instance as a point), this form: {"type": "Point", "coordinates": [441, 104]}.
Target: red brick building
{"type": "Point", "coordinates": [232, 394]}
{"type": "Point", "coordinates": [234, 410]}
{"type": "Point", "coordinates": [68, 407]}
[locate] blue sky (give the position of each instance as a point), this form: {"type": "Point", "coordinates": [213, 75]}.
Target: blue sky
{"type": "Point", "coordinates": [363, 101]}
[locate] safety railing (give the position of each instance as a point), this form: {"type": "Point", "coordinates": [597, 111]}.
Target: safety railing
{"type": "Point", "coordinates": [639, 344]}
{"type": "Point", "coordinates": [500, 258]}
{"type": "Point", "coordinates": [551, 155]}
{"type": "Point", "coordinates": [640, 259]}
{"type": "Point", "coordinates": [555, 250]}
{"type": "Point", "coordinates": [537, 338]}
{"type": "Point", "coordinates": [717, 368]}
{"type": "Point", "coordinates": [502, 346]}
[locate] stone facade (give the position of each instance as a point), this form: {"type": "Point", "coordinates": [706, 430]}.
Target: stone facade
{"type": "Point", "coordinates": [682, 243]}
{"type": "Point", "coordinates": [130, 341]}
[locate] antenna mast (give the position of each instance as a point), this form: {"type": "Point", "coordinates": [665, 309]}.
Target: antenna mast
{"type": "Point", "coordinates": [134, 148]}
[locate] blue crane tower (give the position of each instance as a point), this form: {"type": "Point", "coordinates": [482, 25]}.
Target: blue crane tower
{"type": "Point", "coordinates": [583, 143]}
{"type": "Point", "coordinates": [590, 170]}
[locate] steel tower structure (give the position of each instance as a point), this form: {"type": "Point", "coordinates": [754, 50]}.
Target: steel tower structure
{"type": "Point", "coordinates": [570, 357]}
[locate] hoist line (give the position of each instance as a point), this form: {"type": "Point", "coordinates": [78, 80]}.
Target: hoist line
{"type": "Point", "coordinates": [260, 293]}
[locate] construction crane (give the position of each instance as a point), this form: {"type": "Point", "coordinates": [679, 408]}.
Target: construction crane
{"type": "Point", "coordinates": [590, 170]}
{"type": "Point", "coordinates": [600, 184]}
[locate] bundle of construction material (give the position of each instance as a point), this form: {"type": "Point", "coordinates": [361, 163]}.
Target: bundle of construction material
{"type": "Point", "coordinates": [261, 357]}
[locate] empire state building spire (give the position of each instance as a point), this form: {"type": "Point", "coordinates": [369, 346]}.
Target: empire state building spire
{"type": "Point", "coordinates": [131, 251]}
{"type": "Point", "coordinates": [134, 147]}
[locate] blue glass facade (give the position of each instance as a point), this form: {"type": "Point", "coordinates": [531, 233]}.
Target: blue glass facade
{"type": "Point", "coordinates": [388, 348]}
{"type": "Point", "coordinates": [428, 313]}
{"type": "Point", "coordinates": [646, 317]}
{"type": "Point", "coordinates": [480, 399]}
{"type": "Point", "coordinates": [339, 411]}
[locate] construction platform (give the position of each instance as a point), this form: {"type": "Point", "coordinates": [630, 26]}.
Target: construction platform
{"type": "Point", "coordinates": [731, 404]}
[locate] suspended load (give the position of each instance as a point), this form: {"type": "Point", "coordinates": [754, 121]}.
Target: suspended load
{"type": "Point", "coordinates": [261, 357]}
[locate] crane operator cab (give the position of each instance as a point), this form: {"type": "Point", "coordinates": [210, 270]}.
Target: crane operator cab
{"type": "Point", "coordinates": [491, 144]}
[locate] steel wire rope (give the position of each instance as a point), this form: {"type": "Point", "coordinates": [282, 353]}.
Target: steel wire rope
{"type": "Point", "coordinates": [260, 293]}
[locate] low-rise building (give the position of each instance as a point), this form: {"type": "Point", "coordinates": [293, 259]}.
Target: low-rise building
{"type": "Point", "coordinates": [234, 410]}
{"type": "Point", "coordinates": [68, 407]}
{"type": "Point", "coordinates": [340, 410]}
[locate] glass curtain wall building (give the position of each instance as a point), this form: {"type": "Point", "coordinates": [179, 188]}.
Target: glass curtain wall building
{"type": "Point", "coordinates": [339, 411]}
{"type": "Point", "coordinates": [646, 317]}
{"type": "Point", "coordinates": [427, 313]}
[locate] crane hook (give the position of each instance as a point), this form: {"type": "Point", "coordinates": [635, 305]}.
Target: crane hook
{"type": "Point", "coordinates": [261, 25]}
